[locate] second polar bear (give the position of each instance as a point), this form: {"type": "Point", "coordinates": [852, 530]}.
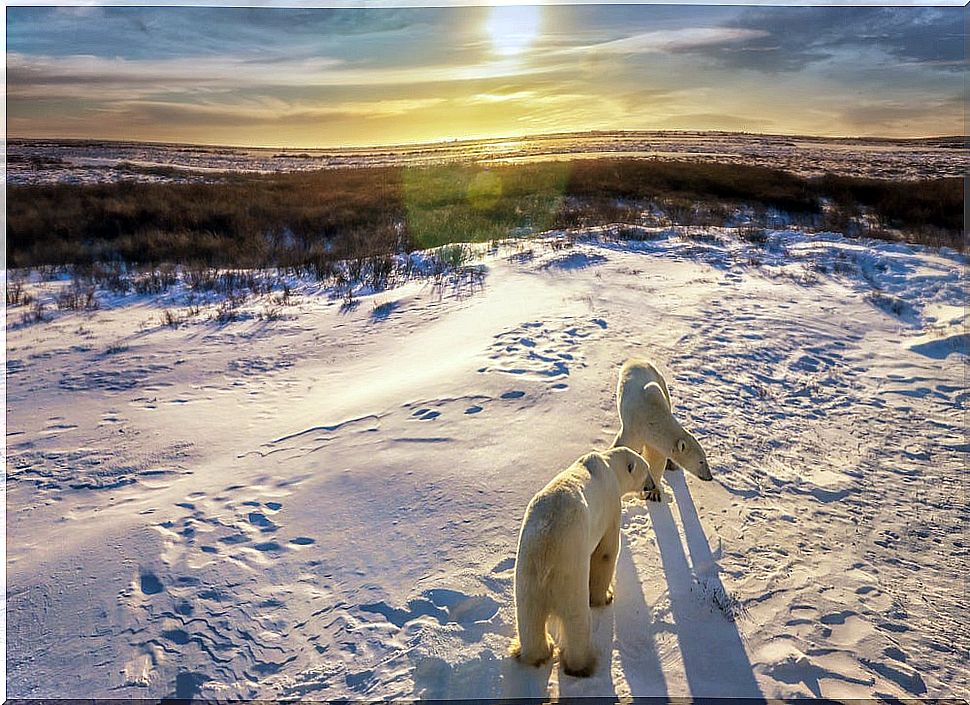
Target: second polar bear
{"type": "Point", "coordinates": [648, 426]}
{"type": "Point", "coordinates": [567, 552]}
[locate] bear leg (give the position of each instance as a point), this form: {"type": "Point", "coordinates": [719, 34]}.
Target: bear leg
{"type": "Point", "coordinates": [657, 462]}
{"type": "Point", "coordinates": [602, 565]}
{"type": "Point", "coordinates": [533, 645]}
{"type": "Point", "coordinates": [576, 650]}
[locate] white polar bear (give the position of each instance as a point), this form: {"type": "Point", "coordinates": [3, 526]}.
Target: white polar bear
{"type": "Point", "coordinates": [567, 553]}
{"type": "Point", "coordinates": [648, 426]}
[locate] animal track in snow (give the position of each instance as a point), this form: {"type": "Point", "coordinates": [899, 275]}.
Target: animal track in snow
{"type": "Point", "coordinates": [113, 380]}
{"type": "Point", "coordinates": [194, 606]}
{"type": "Point", "coordinates": [448, 408]}
{"type": "Point", "coordinates": [86, 468]}
{"type": "Point", "coordinates": [543, 351]}
{"type": "Point", "coordinates": [444, 605]}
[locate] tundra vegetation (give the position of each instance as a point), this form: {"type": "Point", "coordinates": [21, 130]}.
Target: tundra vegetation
{"type": "Point", "coordinates": [307, 222]}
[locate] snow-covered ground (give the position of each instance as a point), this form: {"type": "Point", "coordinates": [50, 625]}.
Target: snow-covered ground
{"type": "Point", "coordinates": [324, 502]}
{"type": "Point", "coordinates": [46, 161]}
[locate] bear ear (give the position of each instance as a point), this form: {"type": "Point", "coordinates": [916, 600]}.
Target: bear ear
{"type": "Point", "coordinates": [655, 397]}
{"type": "Point", "coordinates": [681, 445]}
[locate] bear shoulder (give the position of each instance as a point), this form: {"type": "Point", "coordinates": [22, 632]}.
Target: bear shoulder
{"type": "Point", "coordinates": [638, 373]}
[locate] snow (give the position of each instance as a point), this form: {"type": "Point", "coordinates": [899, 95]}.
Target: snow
{"type": "Point", "coordinates": [325, 503]}
{"type": "Point", "coordinates": [33, 161]}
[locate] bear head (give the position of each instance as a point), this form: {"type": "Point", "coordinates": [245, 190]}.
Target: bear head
{"type": "Point", "coordinates": [688, 454]}
{"type": "Point", "coordinates": [682, 446]}
{"type": "Point", "coordinates": [630, 468]}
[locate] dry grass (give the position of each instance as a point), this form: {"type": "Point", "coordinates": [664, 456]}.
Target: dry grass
{"type": "Point", "coordinates": [309, 221]}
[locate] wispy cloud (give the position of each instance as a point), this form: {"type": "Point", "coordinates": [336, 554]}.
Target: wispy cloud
{"type": "Point", "coordinates": [499, 97]}
{"type": "Point", "coordinates": [793, 38]}
{"type": "Point", "coordinates": [267, 111]}
{"type": "Point", "coordinates": [88, 76]}
{"type": "Point", "coordinates": [677, 40]}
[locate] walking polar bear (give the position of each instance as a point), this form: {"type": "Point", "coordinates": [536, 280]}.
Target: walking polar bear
{"type": "Point", "coordinates": [648, 426]}
{"type": "Point", "coordinates": [567, 552]}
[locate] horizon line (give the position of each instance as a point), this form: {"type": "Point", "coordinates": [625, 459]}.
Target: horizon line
{"type": "Point", "coordinates": [504, 138]}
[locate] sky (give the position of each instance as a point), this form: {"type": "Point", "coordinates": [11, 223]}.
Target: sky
{"type": "Point", "coordinates": [354, 77]}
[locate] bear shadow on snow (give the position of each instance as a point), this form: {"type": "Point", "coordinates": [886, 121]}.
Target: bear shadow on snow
{"type": "Point", "coordinates": [635, 632]}
{"type": "Point", "coordinates": [490, 676]}
{"type": "Point", "coordinates": [715, 660]}
{"type": "Point", "coordinates": [600, 684]}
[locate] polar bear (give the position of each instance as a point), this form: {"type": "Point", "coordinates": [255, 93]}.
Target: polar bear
{"type": "Point", "coordinates": [648, 426]}
{"type": "Point", "coordinates": [568, 546]}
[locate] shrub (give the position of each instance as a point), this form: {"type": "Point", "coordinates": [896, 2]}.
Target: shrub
{"type": "Point", "coordinates": [17, 295]}
{"type": "Point", "coordinates": [35, 314]}
{"type": "Point", "coordinates": [228, 310]}
{"type": "Point", "coordinates": [106, 275]}
{"type": "Point", "coordinates": [170, 318]}
{"type": "Point", "coordinates": [77, 298]}
{"type": "Point", "coordinates": [753, 234]}
{"type": "Point", "coordinates": [271, 313]}
{"type": "Point", "coordinates": [454, 256]}
{"type": "Point", "coordinates": [155, 281]}
{"type": "Point", "coordinates": [381, 270]}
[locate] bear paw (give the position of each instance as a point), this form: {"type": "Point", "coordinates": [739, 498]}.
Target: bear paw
{"type": "Point", "coordinates": [581, 671]}
{"type": "Point", "coordinates": [601, 601]}
{"type": "Point", "coordinates": [533, 659]}
{"type": "Point", "coordinates": [652, 495]}
{"type": "Point", "coordinates": [537, 660]}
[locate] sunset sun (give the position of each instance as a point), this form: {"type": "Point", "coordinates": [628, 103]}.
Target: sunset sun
{"type": "Point", "coordinates": [512, 29]}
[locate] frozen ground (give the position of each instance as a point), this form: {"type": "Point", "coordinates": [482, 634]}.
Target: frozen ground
{"type": "Point", "coordinates": [325, 504]}
{"type": "Point", "coordinates": [45, 161]}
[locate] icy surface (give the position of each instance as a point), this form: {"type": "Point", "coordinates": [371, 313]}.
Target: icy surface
{"type": "Point", "coordinates": [324, 504]}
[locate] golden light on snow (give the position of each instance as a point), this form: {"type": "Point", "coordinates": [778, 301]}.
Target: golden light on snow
{"type": "Point", "coordinates": [512, 29]}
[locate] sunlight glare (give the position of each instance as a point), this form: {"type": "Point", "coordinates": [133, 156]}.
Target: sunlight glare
{"type": "Point", "coordinates": [512, 28]}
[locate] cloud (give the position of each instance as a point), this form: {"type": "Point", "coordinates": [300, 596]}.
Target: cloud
{"type": "Point", "coordinates": [93, 77]}
{"type": "Point", "coordinates": [156, 32]}
{"type": "Point", "coordinates": [792, 38]}
{"type": "Point", "coordinates": [686, 39]}
{"type": "Point", "coordinates": [236, 119]}
{"type": "Point", "coordinates": [265, 111]}
{"type": "Point", "coordinates": [85, 76]}
{"type": "Point", "coordinates": [502, 97]}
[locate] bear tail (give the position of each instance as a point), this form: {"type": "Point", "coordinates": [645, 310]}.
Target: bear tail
{"type": "Point", "coordinates": [515, 648]}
